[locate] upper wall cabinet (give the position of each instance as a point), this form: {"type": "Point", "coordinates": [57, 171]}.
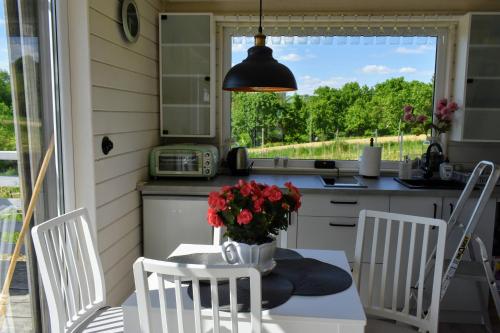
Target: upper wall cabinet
{"type": "Point", "coordinates": [477, 78]}
{"type": "Point", "coordinates": [187, 75]}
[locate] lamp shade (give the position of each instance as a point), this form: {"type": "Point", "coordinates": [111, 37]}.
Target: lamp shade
{"type": "Point", "coordinates": [259, 72]}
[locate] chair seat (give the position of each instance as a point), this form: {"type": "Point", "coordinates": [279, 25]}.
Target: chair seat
{"type": "Point", "coordinates": [374, 325]}
{"type": "Point", "coordinates": [109, 320]}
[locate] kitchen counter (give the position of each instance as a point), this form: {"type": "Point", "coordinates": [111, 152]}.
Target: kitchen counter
{"type": "Point", "coordinates": [306, 183]}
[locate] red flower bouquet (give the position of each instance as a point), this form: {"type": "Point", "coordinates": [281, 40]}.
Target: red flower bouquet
{"type": "Point", "coordinates": [252, 212]}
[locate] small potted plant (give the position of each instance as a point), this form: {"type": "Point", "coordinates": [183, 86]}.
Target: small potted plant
{"type": "Point", "coordinates": [253, 214]}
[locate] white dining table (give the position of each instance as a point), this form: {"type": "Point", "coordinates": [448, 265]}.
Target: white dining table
{"type": "Point", "coordinates": [337, 313]}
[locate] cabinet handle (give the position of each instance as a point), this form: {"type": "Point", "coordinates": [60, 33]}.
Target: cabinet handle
{"type": "Point", "coordinates": [207, 78]}
{"type": "Point", "coordinates": [342, 225]}
{"type": "Point", "coordinates": [451, 208]}
{"type": "Point", "coordinates": [435, 209]}
{"type": "Point", "coordinates": [165, 131]}
{"type": "Point", "coordinates": [343, 202]}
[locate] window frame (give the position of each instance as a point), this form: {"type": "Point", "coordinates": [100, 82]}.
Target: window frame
{"type": "Point", "coordinates": [445, 54]}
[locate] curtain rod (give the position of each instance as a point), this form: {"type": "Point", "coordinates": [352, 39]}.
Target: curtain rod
{"type": "Point", "coordinates": [338, 18]}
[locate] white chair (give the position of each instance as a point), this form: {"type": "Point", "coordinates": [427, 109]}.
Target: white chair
{"type": "Point", "coordinates": [72, 276]}
{"type": "Point", "coordinates": [394, 249]}
{"type": "Point", "coordinates": [170, 289]}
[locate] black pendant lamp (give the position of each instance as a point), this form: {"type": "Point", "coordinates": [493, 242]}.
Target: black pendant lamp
{"type": "Point", "coordinates": [259, 72]}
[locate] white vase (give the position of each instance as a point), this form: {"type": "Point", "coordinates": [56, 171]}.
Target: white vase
{"type": "Point", "coordinates": [261, 256]}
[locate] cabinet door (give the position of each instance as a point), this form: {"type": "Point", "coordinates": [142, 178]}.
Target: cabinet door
{"type": "Point", "coordinates": [462, 295]}
{"type": "Point", "coordinates": [170, 221]}
{"type": "Point", "coordinates": [486, 224]}
{"type": "Point", "coordinates": [419, 206]}
{"type": "Point", "coordinates": [327, 233]}
{"type": "Point", "coordinates": [187, 86]}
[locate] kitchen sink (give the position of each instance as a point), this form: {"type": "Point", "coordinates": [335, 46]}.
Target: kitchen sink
{"type": "Point", "coordinates": [423, 183]}
{"type": "Point", "coordinates": [344, 182]}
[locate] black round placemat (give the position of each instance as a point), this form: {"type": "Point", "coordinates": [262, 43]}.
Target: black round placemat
{"type": "Point", "coordinates": [276, 290]}
{"type": "Point", "coordinates": [312, 277]}
{"type": "Point", "coordinates": [293, 275]}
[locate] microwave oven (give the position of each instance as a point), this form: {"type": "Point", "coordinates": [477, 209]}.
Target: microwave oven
{"type": "Point", "coordinates": [184, 160]}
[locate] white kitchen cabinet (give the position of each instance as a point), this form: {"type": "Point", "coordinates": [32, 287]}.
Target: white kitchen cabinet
{"type": "Point", "coordinates": [170, 221]}
{"type": "Point", "coordinates": [341, 205]}
{"type": "Point", "coordinates": [477, 78]}
{"type": "Point", "coordinates": [187, 75]}
{"type": "Point", "coordinates": [329, 221]}
{"type": "Point", "coordinates": [419, 206]}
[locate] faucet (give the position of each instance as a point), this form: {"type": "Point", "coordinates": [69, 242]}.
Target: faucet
{"type": "Point", "coordinates": [427, 166]}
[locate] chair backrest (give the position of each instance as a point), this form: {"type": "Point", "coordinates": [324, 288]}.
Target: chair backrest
{"type": "Point", "coordinates": [70, 268]}
{"type": "Point", "coordinates": [394, 248]}
{"type": "Point", "coordinates": [168, 271]}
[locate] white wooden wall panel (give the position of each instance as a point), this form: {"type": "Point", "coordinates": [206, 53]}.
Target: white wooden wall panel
{"type": "Point", "coordinates": [118, 56]}
{"type": "Point", "coordinates": [121, 287]}
{"type": "Point", "coordinates": [116, 209]}
{"type": "Point", "coordinates": [108, 99]}
{"type": "Point", "coordinates": [110, 256]}
{"type": "Point", "coordinates": [104, 27]}
{"type": "Point", "coordinates": [121, 268]}
{"type": "Point", "coordinates": [126, 142]}
{"type": "Point", "coordinates": [119, 165]}
{"type": "Point", "coordinates": [125, 108]}
{"type": "Point", "coordinates": [119, 122]}
{"type": "Point", "coordinates": [114, 232]}
{"type": "Point", "coordinates": [104, 75]}
{"type": "Point", "coordinates": [114, 188]}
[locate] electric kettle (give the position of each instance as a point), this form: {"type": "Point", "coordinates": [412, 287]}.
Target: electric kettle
{"type": "Point", "coordinates": [237, 161]}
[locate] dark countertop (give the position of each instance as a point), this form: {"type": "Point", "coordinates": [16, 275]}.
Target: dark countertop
{"type": "Point", "coordinates": [306, 183]}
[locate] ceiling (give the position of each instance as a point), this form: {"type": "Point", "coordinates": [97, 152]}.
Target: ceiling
{"type": "Point", "coordinates": [347, 6]}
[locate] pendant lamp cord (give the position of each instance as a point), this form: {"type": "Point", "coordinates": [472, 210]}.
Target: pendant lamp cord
{"type": "Point", "coordinates": [260, 18]}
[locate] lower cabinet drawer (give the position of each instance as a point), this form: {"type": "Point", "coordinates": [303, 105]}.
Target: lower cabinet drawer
{"type": "Point", "coordinates": [337, 233]}
{"type": "Point", "coordinates": [327, 233]}
{"type": "Point", "coordinates": [341, 205]}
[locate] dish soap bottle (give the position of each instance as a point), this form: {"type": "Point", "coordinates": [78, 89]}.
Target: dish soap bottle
{"type": "Point", "coordinates": [445, 170]}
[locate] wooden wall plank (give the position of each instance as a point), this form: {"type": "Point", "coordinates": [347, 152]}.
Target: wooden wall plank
{"type": "Point", "coordinates": [119, 165]}
{"type": "Point", "coordinates": [126, 142]}
{"type": "Point", "coordinates": [112, 9]}
{"type": "Point", "coordinates": [105, 52]}
{"type": "Point", "coordinates": [122, 268]}
{"type": "Point", "coordinates": [108, 99]}
{"type": "Point", "coordinates": [114, 232]}
{"type": "Point", "coordinates": [125, 107]}
{"type": "Point", "coordinates": [116, 209]}
{"type": "Point", "coordinates": [113, 254]}
{"type": "Point", "coordinates": [104, 27]}
{"type": "Point", "coordinates": [104, 75]}
{"type": "Point", "coordinates": [114, 188]}
{"type": "Point", "coordinates": [122, 288]}
{"type": "Point", "coordinates": [121, 122]}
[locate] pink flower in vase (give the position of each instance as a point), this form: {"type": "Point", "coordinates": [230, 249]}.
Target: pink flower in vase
{"type": "Point", "coordinates": [442, 104]}
{"type": "Point", "coordinates": [408, 117]}
{"type": "Point", "coordinates": [408, 109]}
{"type": "Point", "coordinates": [421, 118]}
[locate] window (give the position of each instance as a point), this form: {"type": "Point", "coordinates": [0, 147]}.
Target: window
{"type": "Point", "coordinates": [352, 87]}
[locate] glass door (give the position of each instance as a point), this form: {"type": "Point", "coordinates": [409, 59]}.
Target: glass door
{"type": "Point", "coordinates": [186, 66]}
{"type": "Point", "coordinates": [28, 120]}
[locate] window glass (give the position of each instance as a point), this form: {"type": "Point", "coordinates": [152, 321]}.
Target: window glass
{"type": "Point", "coordinates": [350, 89]}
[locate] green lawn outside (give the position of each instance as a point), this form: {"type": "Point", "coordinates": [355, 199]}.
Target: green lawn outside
{"type": "Point", "coordinates": [343, 149]}
{"type": "Point", "coordinates": [10, 192]}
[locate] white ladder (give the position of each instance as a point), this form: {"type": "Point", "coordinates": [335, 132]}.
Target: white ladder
{"type": "Point", "coordinates": [460, 235]}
